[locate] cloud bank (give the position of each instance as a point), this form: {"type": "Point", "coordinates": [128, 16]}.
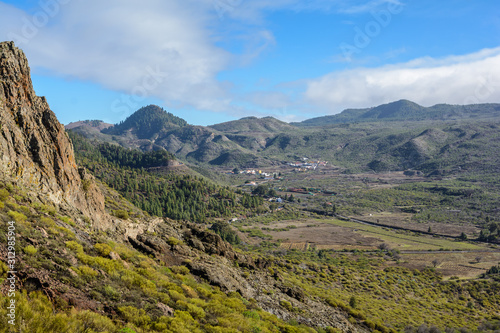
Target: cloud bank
{"type": "Point", "coordinates": [162, 49]}
{"type": "Point", "coordinates": [469, 79]}
{"type": "Point", "coordinates": [172, 50]}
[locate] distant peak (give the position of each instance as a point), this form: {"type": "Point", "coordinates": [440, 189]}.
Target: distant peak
{"type": "Point", "coordinates": [400, 102]}
{"type": "Point", "coordinates": [147, 121]}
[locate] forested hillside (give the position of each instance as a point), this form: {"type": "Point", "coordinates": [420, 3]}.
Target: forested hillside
{"type": "Point", "coordinates": [170, 195]}
{"type": "Point", "coordinates": [147, 122]}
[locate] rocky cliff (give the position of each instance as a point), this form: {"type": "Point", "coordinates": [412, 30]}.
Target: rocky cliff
{"type": "Point", "coordinates": [35, 150]}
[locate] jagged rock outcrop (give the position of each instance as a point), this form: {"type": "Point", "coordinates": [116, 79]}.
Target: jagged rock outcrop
{"type": "Point", "coordinates": [34, 147]}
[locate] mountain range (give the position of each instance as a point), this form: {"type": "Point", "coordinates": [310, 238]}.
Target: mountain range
{"type": "Point", "coordinates": [404, 110]}
{"type": "Point", "coordinates": [396, 136]}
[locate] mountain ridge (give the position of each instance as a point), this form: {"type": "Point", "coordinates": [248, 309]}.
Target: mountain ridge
{"type": "Point", "coordinates": [405, 110]}
{"type": "Point", "coordinates": [259, 142]}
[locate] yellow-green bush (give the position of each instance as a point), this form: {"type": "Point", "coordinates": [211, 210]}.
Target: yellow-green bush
{"type": "Point", "coordinates": [46, 221]}
{"type": "Point", "coordinates": [72, 245]}
{"type": "Point", "coordinates": [103, 249]}
{"type": "Point", "coordinates": [204, 290]}
{"type": "Point", "coordinates": [180, 270]}
{"type": "Point", "coordinates": [4, 194]}
{"type": "Point", "coordinates": [67, 220]}
{"type": "Point", "coordinates": [173, 241]}
{"type": "Point", "coordinates": [88, 321]}
{"type": "Point", "coordinates": [44, 208]}
{"type": "Point", "coordinates": [30, 249]}
{"type": "Point", "coordinates": [198, 302]}
{"type": "Point", "coordinates": [110, 266]}
{"type": "Point", "coordinates": [287, 305]}
{"type": "Point", "coordinates": [132, 279]}
{"type": "Point", "coordinates": [112, 293]}
{"type": "Point", "coordinates": [3, 271]}
{"type": "Point", "coordinates": [195, 311]}
{"type": "Point", "coordinates": [176, 296]}
{"type": "Point", "coordinates": [188, 291]}
{"type": "Point", "coordinates": [134, 315]}
{"type": "Point", "coordinates": [121, 214]}
{"type": "Point", "coordinates": [36, 314]}
{"type": "Point", "coordinates": [16, 216]}
{"type": "Point", "coordinates": [125, 252]}
{"type": "Point", "coordinates": [86, 272]}
{"type": "Point", "coordinates": [148, 287]}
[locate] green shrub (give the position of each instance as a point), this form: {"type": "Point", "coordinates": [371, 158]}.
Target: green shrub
{"type": "Point", "coordinates": [180, 270]}
{"type": "Point", "coordinates": [72, 245]}
{"type": "Point", "coordinates": [3, 270]}
{"type": "Point", "coordinates": [287, 305]}
{"type": "Point", "coordinates": [44, 208]}
{"type": "Point", "coordinates": [121, 214]}
{"type": "Point", "coordinates": [30, 249]}
{"type": "Point", "coordinates": [16, 216]}
{"type": "Point", "coordinates": [47, 221]}
{"type": "Point", "coordinates": [188, 291]}
{"type": "Point", "coordinates": [251, 314]}
{"type": "Point", "coordinates": [196, 311]}
{"type": "Point", "coordinates": [4, 194]}
{"type": "Point", "coordinates": [176, 296]}
{"type": "Point", "coordinates": [126, 330]}
{"type": "Point", "coordinates": [94, 322]}
{"type": "Point", "coordinates": [353, 302]}
{"type": "Point", "coordinates": [67, 220]}
{"type": "Point", "coordinates": [103, 249]}
{"type": "Point", "coordinates": [112, 293]}
{"type": "Point", "coordinates": [134, 315]}
{"type": "Point", "coordinates": [173, 241]}
{"type": "Point", "coordinates": [87, 272]}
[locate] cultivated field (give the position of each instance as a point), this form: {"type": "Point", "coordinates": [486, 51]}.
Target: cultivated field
{"type": "Point", "coordinates": [403, 220]}
{"type": "Point", "coordinates": [448, 256]}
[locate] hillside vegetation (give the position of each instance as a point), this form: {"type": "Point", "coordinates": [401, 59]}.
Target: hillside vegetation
{"type": "Point", "coordinates": [180, 197]}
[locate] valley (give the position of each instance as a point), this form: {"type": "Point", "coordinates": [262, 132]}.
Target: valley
{"type": "Point", "coordinates": [378, 220]}
{"type": "Point", "coordinates": [375, 197]}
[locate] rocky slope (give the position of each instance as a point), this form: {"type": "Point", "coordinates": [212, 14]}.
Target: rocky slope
{"type": "Point", "coordinates": [35, 149]}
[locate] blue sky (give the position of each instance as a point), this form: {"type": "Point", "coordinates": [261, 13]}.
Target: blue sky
{"type": "Point", "coordinates": [210, 61]}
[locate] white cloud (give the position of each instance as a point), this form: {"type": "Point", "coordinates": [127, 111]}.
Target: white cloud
{"type": "Point", "coordinates": [469, 79]}
{"type": "Point", "coordinates": [158, 48]}
{"type": "Point", "coordinates": [169, 49]}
